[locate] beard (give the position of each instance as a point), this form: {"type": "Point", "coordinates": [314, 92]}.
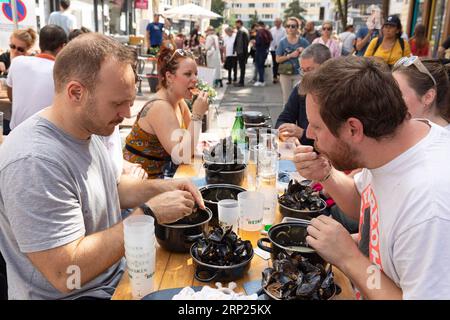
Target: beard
{"type": "Point", "coordinates": [94, 122]}
{"type": "Point", "coordinates": [342, 157]}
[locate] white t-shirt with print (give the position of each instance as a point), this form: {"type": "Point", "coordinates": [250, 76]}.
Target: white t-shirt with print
{"type": "Point", "coordinates": [405, 217]}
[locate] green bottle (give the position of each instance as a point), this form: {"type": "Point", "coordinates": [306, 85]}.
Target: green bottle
{"type": "Point", "coordinates": [238, 132]}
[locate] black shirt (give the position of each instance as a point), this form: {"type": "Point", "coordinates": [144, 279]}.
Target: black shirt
{"type": "Point", "coordinates": [6, 59]}
{"type": "Point", "coordinates": [295, 112]}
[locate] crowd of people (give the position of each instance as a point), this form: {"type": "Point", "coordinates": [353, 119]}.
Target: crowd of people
{"type": "Point", "coordinates": [371, 123]}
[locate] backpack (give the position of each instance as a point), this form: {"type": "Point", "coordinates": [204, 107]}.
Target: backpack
{"type": "Point", "coordinates": [380, 40]}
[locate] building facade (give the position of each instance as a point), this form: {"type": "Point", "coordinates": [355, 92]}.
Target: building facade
{"type": "Point", "coordinates": [268, 10]}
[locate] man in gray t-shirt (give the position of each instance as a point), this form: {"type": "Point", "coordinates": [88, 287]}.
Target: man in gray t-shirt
{"type": "Point", "coordinates": [60, 199]}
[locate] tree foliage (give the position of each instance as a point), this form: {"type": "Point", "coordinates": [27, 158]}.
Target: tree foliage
{"type": "Point", "coordinates": [217, 6]}
{"type": "Point", "coordinates": [294, 10]}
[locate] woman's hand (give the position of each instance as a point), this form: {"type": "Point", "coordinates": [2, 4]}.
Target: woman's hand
{"type": "Point", "coordinates": [294, 54]}
{"type": "Point", "coordinates": [201, 104]}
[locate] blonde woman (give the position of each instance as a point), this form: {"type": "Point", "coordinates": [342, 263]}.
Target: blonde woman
{"type": "Point", "coordinates": [326, 39]}
{"type": "Point", "coordinates": [287, 55]}
{"type": "Point", "coordinates": [20, 44]}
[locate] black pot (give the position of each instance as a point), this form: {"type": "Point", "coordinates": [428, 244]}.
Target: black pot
{"type": "Point", "coordinates": [302, 214]}
{"type": "Point", "coordinates": [179, 236]}
{"type": "Point", "coordinates": [294, 242]}
{"type": "Point", "coordinates": [223, 173]}
{"type": "Point", "coordinates": [205, 272]}
{"type": "Point", "coordinates": [212, 204]}
{"type": "Point", "coordinates": [253, 117]}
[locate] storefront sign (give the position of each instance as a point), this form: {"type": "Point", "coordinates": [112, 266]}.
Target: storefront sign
{"type": "Point", "coordinates": [141, 4]}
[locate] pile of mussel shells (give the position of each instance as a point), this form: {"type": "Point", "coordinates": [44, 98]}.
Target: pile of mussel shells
{"type": "Point", "coordinates": [300, 196]}
{"type": "Point", "coordinates": [225, 152]}
{"type": "Point", "coordinates": [293, 277]}
{"type": "Point", "coordinates": [222, 247]}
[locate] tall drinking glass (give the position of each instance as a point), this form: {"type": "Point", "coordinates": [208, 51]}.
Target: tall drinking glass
{"type": "Point", "coordinates": [251, 211]}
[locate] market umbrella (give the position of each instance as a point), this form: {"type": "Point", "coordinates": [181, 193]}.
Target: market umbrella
{"type": "Point", "coordinates": [190, 11]}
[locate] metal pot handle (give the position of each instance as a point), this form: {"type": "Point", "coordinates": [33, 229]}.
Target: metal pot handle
{"type": "Point", "coordinates": [263, 247]}
{"type": "Point", "coordinates": [199, 278]}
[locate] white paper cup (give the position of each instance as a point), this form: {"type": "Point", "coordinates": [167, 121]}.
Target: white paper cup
{"type": "Point", "coordinates": [229, 213]}
{"type": "Point", "coordinates": [251, 210]}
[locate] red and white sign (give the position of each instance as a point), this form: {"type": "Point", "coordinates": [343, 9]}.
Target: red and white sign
{"type": "Point", "coordinates": [141, 4]}
{"type": "Point", "coordinates": [26, 18]}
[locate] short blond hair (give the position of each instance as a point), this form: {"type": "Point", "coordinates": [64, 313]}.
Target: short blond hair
{"type": "Point", "coordinates": [28, 36]}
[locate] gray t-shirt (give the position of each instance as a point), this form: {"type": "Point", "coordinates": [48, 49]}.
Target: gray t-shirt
{"type": "Point", "coordinates": [54, 189]}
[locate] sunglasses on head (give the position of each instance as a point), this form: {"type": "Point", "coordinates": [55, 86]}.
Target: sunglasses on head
{"type": "Point", "coordinates": [182, 53]}
{"type": "Point", "coordinates": [14, 47]}
{"type": "Point", "coordinates": [414, 60]}
{"type": "Point", "coordinates": [292, 26]}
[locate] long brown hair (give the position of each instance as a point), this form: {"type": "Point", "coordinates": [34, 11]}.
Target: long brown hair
{"type": "Point", "coordinates": [420, 36]}
{"type": "Point", "coordinates": [421, 83]}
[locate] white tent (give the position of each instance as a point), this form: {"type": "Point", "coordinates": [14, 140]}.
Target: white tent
{"type": "Point", "coordinates": [190, 11]}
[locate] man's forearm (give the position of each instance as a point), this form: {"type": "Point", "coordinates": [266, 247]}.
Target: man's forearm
{"type": "Point", "coordinates": [370, 280]}
{"type": "Point", "coordinates": [134, 192]}
{"type": "Point", "coordinates": [343, 191]}
{"type": "Point", "coordinates": [92, 255]}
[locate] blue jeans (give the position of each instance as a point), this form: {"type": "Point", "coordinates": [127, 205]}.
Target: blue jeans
{"type": "Point", "coordinates": [260, 57]}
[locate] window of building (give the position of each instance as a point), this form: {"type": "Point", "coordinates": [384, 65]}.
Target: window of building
{"type": "Point", "coordinates": [237, 5]}
{"type": "Point", "coordinates": [251, 5]}
{"type": "Point", "coordinates": [267, 5]}
{"type": "Point", "coordinates": [283, 5]}
{"type": "Point", "coordinates": [267, 16]}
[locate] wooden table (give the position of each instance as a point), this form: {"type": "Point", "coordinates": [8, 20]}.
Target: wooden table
{"type": "Point", "coordinates": [175, 270]}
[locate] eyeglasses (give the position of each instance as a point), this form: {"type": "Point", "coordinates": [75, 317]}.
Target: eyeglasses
{"type": "Point", "coordinates": [182, 53]}
{"type": "Point", "coordinates": [326, 29]}
{"type": "Point", "coordinates": [414, 60]}
{"type": "Point", "coordinates": [292, 26]}
{"type": "Point", "coordinates": [14, 47]}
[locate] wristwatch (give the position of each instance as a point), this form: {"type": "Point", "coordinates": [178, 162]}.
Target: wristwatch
{"type": "Point", "coordinates": [147, 211]}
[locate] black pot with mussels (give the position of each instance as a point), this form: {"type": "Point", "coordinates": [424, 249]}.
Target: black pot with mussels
{"type": "Point", "coordinates": [179, 236]}
{"type": "Point", "coordinates": [221, 256]}
{"type": "Point", "coordinates": [224, 163]}
{"type": "Point", "coordinates": [213, 193]}
{"type": "Point", "coordinates": [289, 237]}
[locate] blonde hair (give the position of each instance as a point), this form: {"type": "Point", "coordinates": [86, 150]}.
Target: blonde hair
{"type": "Point", "coordinates": [28, 36]}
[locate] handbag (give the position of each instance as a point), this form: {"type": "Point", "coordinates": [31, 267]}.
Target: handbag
{"type": "Point", "coordinates": [286, 68]}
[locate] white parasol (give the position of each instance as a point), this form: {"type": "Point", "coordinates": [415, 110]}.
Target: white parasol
{"type": "Point", "coordinates": [190, 11]}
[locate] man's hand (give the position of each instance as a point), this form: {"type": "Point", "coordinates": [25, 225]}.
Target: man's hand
{"type": "Point", "coordinates": [187, 185]}
{"type": "Point", "coordinates": [331, 241]}
{"type": "Point", "coordinates": [171, 206]}
{"type": "Point", "coordinates": [288, 130]}
{"type": "Point", "coordinates": [311, 165]}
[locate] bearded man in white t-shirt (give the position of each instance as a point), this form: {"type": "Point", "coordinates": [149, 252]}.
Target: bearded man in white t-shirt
{"type": "Point", "coordinates": [358, 119]}
{"type": "Point", "coordinates": [30, 78]}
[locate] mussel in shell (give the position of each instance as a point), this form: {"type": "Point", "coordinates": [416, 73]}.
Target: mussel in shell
{"type": "Point", "coordinates": [222, 247]}
{"type": "Point", "coordinates": [300, 196]}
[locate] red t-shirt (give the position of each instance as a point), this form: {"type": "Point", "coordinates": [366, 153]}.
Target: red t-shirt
{"type": "Point", "coordinates": [422, 52]}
